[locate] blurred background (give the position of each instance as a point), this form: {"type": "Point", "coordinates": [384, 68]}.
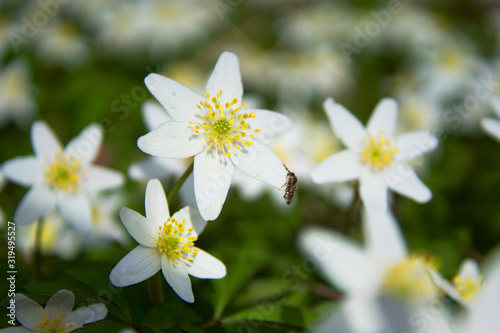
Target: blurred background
{"type": "Point", "coordinates": [72, 63]}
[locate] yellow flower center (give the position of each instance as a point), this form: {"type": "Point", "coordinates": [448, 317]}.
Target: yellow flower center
{"type": "Point", "coordinates": [64, 173]}
{"type": "Point", "coordinates": [469, 287]}
{"type": "Point", "coordinates": [410, 279]}
{"type": "Point", "coordinates": [378, 152]}
{"type": "Point", "coordinates": [224, 125]}
{"type": "Point", "coordinates": [172, 240]}
{"type": "Point", "coordinates": [53, 325]}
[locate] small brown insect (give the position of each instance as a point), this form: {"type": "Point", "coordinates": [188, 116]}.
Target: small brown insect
{"type": "Point", "coordinates": [291, 186]}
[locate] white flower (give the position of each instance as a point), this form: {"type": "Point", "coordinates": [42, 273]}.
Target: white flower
{"type": "Point", "coordinates": [17, 102]}
{"type": "Point", "coordinates": [63, 177]}
{"type": "Point", "coordinates": [382, 267]}
{"type": "Point", "coordinates": [57, 316]}
{"type": "Point", "coordinates": [374, 156]}
{"type": "Point", "coordinates": [218, 131]}
{"type": "Point", "coordinates": [166, 243]}
{"type": "Point", "coordinates": [492, 125]}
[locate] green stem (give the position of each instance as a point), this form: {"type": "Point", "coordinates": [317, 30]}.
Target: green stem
{"type": "Point", "coordinates": [37, 254]}
{"type": "Point", "coordinates": [177, 186]}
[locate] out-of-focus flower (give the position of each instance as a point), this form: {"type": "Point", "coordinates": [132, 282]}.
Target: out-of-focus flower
{"type": "Point", "coordinates": [218, 131]}
{"type": "Point", "coordinates": [382, 267]}
{"type": "Point", "coordinates": [63, 177]}
{"type": "Point", "coordinates": [56, 316]}
{"type": "Point", "coordinates": [166, 243]}
{"type": "Point", "coordinates": [375, 156]}
{"type": "Point", "coordinates": [16, 93]}
{"type": "Point", "coordinates": [60, 43]}
{"type": "Point", "coordinates": [491, 126]}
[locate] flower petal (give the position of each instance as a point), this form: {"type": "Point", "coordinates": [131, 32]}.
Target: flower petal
{"type": "Point", "coordinates": [384, 239]}
{"type": "Point", "coordinates": [339, 167]}
{"type": "Point", "coordinates": [184, 214]}
{"type": "Point", "coordinates": [341, 262]}
{"type": "Point", "coordinates": [177, 277]}
{"type": "Point", "coordinates": [142, 230]}
{"type": "Point", "coordinates": [16, 329]}
{"type": "Point", "coordinates": [86, 144]}
{"type": "Point", "coordinates": [76, 209]}
{"type": "Point", "coordinates": [206, 266]}
{"type": "Point", "coordinates": [269, 123]}
{"type": "Point", "coordinates": [36, 202]}
{"type": "Point", "coordinates": [154, 115]}
{"type": "Point", "coordinates": [491, 126]}
{"type": "Point", "coordinates": [403, 180]}
{"type": "Point", "coordinates": [62, 301]}
{"type": "Point", "coordinates": [260, 162]}
{"type": "Point", "coordinates": [100, 178]}
{"type": "Point", "coordinates": [346, 127]}
{"type": "Point", "coordinates": [373, 190]}
{"type": "Point", "coordinates": [28, 312]}
{"type": "Point", "coordinates": [226, 77]}
{"type": "Point", "coordinates": [156, 203]}
{"type": "Point", "coordinates": [469, 268]}
{"type": "Point", "coordinates": [138, 265]}
{"type": "Point", "coordinates": [213, 173]}
{"type": "Point", "coordinates": [172, 140]}
{"type": "Point", "coordinates": [412, 145]}
{"type": "Point", "coordinates": [43, 140]}
{"type": "Point", "coordinates": [383, 118]}
{"type": "Point", "coordinates": [86, 315]}
{"type": "Point", "coordinates": [22, 170]}
{"type": "Point", "coordinates": [179, 101]}
{"type": "Point", "coordinates": [152, 167]}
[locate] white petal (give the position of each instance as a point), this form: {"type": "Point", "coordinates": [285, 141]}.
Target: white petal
{"type": "Point", "coordinates": [177, 277]}
{"type": "Point", "coordinates": [373, 190]}
{"type": "Point", "coordinates": [196, 220]}
{"type": "Point", "coordinates": [383, 118]}
{"type": "Point", "coordinates": [469, 268]}
{"type": "Point", "coordinates": [86, 314]}
{"type": "Point", "coordinates": [43, 140]}
{"type": "Point", "coordinates": [138, 265]}
{"type": "Point", "coordinates": [156, 203]}
{"type": "Point", "coordinates": [86, 145]}
{"type": "Point", "coordinates": [340, 261]}
{"type": "Point", "coordinates": [62, 301]}
{"type": "Point", "coordinates": [340, 167]}
{"type": "Point", "coordinates": [184, 214]}
{"type": "Point", "coordinates": [16, 329]}
{"type": "Point", "coordinates": [28, 312]}
{"type": "Point", "coordinates": [213, 173]}
{"type": "Point", "coordinates": [269, 122]}
{"type": "Point", "coordinates": [154, 115]}
{"type": "Point", "coordinates": [260, 162]}
{"type": "Point", "coordinates": [151, 167]}
{"type": "Point", "coordinates": [403, 180]}
{"type": "Point", "coordinates": [172, 140]}
{"type": "Point", "coordinates": [36, 202]}
{"type": "Point", "coordinates": [100, 178]}
{"type": "Point", "coordinates": [205, 266]}
{"type": "Point", "coordinates": [140, 228]}
{"type": "Point", "coordinates": [76, 209]}
{"type": "Point", "coordinates": [22, 170]}
{"type": "Point", "coordinates": [346, 127]}
{"type": "Point", "coordinates": [446, 286]}
{"type": "Point", "coordinates": [179, 101]}
{"type": "Point", "coordinates": [491, 127]}
{"type": "Point", "coordinates": [226, 76]}
{"type": "Point", "coordinates": [412, 145]}
{"type": "Point", "coordinates": [383, 236]}
{"type": "Point", "coordinates": [495, 102]}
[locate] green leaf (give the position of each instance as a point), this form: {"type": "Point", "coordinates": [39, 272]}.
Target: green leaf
{"type": "Point", "coordinates": [170, 315]}
{"type": "Point", "coordinates": [103, 326]}
{"type": "Point", "coordinates": [270, 313]}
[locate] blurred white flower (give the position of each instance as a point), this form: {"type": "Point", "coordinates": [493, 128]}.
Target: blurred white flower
{"type": "Point", "coordinates": [375, 156]}
{"type": "Point", "coordinates": [63, 177]}
{"type": "Point", "coordinates": [217, 131]}
{"type": "Point", "coordinates": [17, 102]}
{"type": "Point", "coordinates": [56, 316]}
{"type": "Point", "coordinates": [166, 243]}
{"type": "Point", "coordinates": [382, 267]}
{"type": "Point", "coordinates": [491, 126]}
{"type": "Point", "coordinates": [61, 43]}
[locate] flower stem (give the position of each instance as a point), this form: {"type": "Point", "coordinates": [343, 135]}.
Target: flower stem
{"type": "Point", "coordinates": [177, 186]}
